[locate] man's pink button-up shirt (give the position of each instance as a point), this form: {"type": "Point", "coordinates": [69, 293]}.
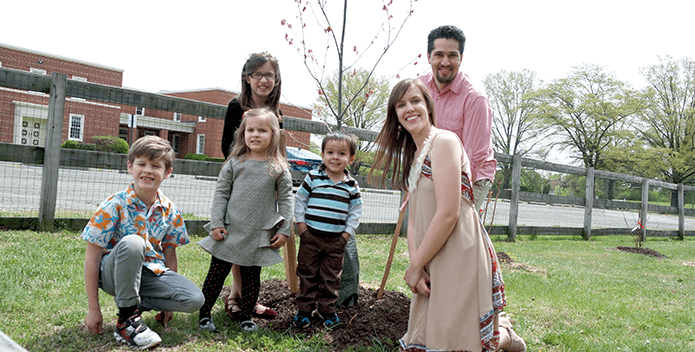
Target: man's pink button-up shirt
{"type": "Point", "coordinates": [462, 109]}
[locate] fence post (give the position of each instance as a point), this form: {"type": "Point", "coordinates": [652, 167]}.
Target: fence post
{"type": "Point", "coordinates": [681, 212]}
{"type": "Point", "coordinates": [589, 202]}
{"type": "Point", "coordinates": [645, 206]}
{"type": "Point", "coordinates": [514, 200]}
{"type": "Point", "coordinates": [51, 156]}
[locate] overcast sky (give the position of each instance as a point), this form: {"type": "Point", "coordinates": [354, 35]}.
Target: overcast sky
{"type": "Point", "coordinates": [187, 45]}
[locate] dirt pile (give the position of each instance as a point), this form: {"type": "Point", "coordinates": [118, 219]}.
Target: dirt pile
{"type": "Point", "coordinates": [371, 322]}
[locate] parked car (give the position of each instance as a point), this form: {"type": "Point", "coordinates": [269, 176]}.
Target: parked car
{"type": "Point", "coordinates": [302, 159]}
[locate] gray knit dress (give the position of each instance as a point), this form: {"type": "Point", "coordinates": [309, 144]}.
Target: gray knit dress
{"type": "Point", "coordinates": [253, 204]}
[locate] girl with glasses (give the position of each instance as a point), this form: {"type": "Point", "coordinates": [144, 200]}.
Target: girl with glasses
{"type": "Point", "coordinates": [260, 87]}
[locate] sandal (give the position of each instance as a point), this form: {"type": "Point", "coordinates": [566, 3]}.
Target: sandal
{"type": "Point", "coordinates": [263, 312]}
{"type": "Point", "coordinates": [231, 307]}
{"type": "Point", "coordinates": [516, 343]}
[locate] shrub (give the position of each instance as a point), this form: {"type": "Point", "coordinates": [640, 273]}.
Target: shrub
{"type": "Point", "coordinates": [193, 156]}
{"type": "Point", "coordinates": [111, 144]}
{"type": "Point", "coordinates": [218, 160]}
{"type": "Point", "coordinates": [70, 145]}
{"type": "Point", "coordinates": [108, 144]}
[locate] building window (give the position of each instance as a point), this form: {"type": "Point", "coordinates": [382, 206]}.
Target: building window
{"type": "Point", "coordinates": [200, 145]}
{"type": "Point", "coordinates": [177, 116]}
{"type": "Point", "coordinates": [0, 63]}
{"type": "Point", "coordinates": [175, 143]}
{"type": "Point", "coordinates": [140, 111]}
{"type": "Point", "coordinates": [78, 78]}
{"type": "Point", "coordinates": [76, 127]}
{"type": "Point", "coordinates": [123, 133]}
{"type": "Point", "coordinates": [38, 70]}
{"type": "Point", "coordinates": [201, 118]}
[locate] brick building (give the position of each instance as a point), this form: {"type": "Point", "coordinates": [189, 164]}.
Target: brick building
{"type": "Point", "coordinates": [23, 114]}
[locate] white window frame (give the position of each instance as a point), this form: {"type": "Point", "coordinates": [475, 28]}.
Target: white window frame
{"type": "Point", "coordinates": [142, 111]}
{"type": "Point", "coordinates": [38, 70]}
{"type": "Point", "coordinates": [177, 116]}
{"type": "Point", "coordinates": [200, 144]}
{"type": "Point", "coordinates": [74, 117]}
{"type": "Point", "coordinates": [78, 78]}
{"type": "Point", "coordinates": [201, 118]}
{"type": "Point", "coordinates": [175, 143]}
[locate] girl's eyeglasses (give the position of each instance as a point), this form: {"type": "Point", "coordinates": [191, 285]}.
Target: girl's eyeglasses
{"type": "Point", "coordinates": [269, 76]}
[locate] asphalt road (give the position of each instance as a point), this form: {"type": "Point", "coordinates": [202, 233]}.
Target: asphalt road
{"type": "Point", "coordinates": [81, 190]}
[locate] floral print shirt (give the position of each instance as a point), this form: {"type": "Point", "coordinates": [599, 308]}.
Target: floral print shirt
{"type": "Point", "coordinates": [124, 214]}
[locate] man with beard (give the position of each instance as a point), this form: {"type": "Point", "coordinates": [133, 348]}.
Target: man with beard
{"type": "Point", "coordinates": [460, 107]}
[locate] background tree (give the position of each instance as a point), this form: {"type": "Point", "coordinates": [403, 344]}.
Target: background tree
{"type": "Point", "coordinates": [369, 95]}
{"type": "Point", "coordinates": [315, 60]}
{"type": "Point", "coordinates": [367, 110]}
{"type": "Point", "coordinates": [516, 124]}
{"type": "Point", "coordinates": [670, 118]}
{"type": "Point", "coordinates": [588, 109]}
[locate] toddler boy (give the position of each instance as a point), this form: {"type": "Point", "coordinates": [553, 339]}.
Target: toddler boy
{"type": "Point", "coordinates": [327, 211]}
{"type": "Point", "coordinates": [131, 250]}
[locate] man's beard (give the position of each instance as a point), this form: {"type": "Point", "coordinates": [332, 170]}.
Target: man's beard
{"type": "Point", "coordinates": [445, 80]}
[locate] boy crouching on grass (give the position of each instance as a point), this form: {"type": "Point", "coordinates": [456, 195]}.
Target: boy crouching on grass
{"type": "Point", "coordinates": [327, 211]}
{"type": "Point", "coordinates": [131, 250]}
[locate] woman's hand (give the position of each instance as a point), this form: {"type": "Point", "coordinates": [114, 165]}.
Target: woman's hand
{"type": "Point", "coordinates": [423, 286]}
{"type": "Point", "coordinates": [218, 234]}
{"type": "Point", "coordinates": [412, 277]}
{"type": "Point", "coordinates": [278, 240]}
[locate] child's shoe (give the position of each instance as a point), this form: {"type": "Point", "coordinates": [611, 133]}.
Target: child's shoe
{"type": "Point", "coordinates": [136, 333]}
{"type": "Point", "coordinates": [248, 325]}
{"type": "Point", "coordinates": [206, 324]}
{"type": "Point", "coordinates": [330, 321]}
{"type": "Point", "coordinates": [302, 319]}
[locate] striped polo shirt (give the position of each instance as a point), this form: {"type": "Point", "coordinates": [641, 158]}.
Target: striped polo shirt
{"type": "Point", "coordinates": [328, 208]}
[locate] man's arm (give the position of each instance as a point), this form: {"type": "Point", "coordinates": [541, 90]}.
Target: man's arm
{"type": "Point", "coordinates": [92, 265]}
{"type": "Point", "coordinates": [476, 138]}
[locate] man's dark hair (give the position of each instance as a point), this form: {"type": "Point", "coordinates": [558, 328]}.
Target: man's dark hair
{"type": "Point", "coordinates": [447, 32]}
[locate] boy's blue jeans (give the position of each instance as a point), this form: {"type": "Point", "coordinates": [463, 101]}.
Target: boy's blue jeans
{"type": "Point", "coordinates": [126, 278]}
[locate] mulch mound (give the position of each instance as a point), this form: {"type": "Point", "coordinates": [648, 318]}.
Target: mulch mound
{"type": "Point", "coordinates": [504, 257]}
{"type": "Point", "coordinates": [639, 250]}
{"type": "Point", "coordinates": [370, 323]}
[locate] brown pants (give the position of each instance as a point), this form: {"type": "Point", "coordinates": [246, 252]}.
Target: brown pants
{"type": "Point", "coordinates": [319, 265]}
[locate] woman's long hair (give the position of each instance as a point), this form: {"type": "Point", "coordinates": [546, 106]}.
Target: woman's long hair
{"type": "Point", "coordinates": [276, 161]}
{"type": "Point", "coordinates": [255, 62]}
{"type": "Point", "coordinates": [395, 146]}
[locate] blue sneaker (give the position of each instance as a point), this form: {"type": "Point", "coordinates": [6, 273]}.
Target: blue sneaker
{"type": "Point", "coordinates": [301, 320]}
{"type": "Point", "coordinates": [330, 321]}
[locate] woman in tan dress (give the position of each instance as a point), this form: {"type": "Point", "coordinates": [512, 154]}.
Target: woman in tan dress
{"type": "Point", "coordinates": [458, 292]}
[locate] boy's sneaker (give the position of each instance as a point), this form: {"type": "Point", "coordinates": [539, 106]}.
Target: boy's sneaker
{"type": "Point", "coordinates": [134, 332]}
{"type": "Point", "coordinates": [330, 321]}
{"type": "Point", "coordinates": [302, 319]}
{"type": "Point", "coordinates": [206, 324]}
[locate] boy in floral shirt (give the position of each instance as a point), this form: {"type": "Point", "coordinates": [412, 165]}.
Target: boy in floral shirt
{"type": "Point", "coordinates": [131, 250]}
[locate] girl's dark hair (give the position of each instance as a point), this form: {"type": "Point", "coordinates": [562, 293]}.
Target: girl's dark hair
{"type": "Point", "coordinates": [255, 62]}
{"type": "Point", "coordinates": [395, 146]}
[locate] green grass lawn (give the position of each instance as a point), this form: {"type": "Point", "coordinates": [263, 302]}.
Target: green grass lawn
{"type": "Point", "coordinates": [565, 294]}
